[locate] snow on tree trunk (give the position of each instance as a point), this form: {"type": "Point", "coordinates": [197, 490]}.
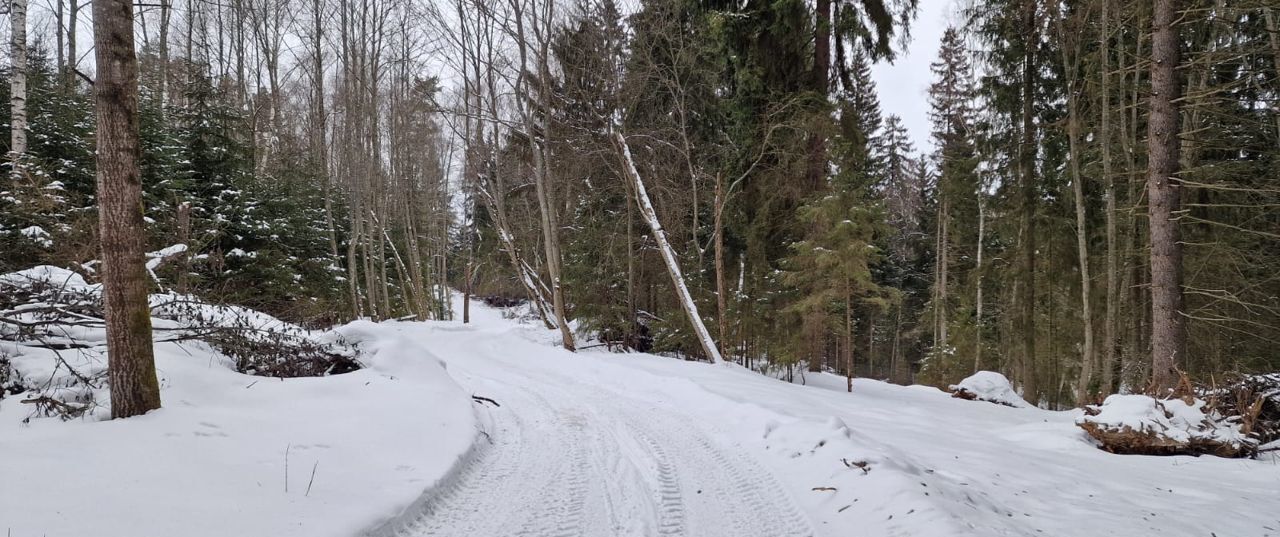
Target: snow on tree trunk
{"type": "Point", "coordinates": [668, 255]}
{"type": "Point", "coordinates": [18, 84]}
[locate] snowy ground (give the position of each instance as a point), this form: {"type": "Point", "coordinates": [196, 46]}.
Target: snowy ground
{"type": "Point", "coordinates": [607, 444]}
{"type": "Point", "coordinates": [361, 447]}
{"type": "Point", "coordinates": [595, 444]}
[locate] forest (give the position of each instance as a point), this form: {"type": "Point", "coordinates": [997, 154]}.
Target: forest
{"type": "Point", "coordinates": [640, 268]}
{"type": "Point", "coordinates": [1097, 209]}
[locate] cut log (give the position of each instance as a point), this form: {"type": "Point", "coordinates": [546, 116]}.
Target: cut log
{"type": "Point", "coordinates": [1143, 425]}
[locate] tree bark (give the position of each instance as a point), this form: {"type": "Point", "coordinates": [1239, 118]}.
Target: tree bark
{"type": "Point", "coordinates": [977, 351]}
{"type": "Point", "coordinates": [184, 237]}
{"type": "Point", "coordinates": [17, 86]}
{"type": "Point", "coordinates": [1083, 394]}
{"type": "Point", "coordinates": [848, 334]}
{"type": "Point", "coordinates": [130, 360]}
{"type": "Point", "coordinates": [1168, 326]}
{"type": "Point", "coordinates": [73, 18]}
{"type": "Point", "coordinates": [817, 165]}
{"type": "Point", "coordinates": [1028, 151]}
{"type": "Point", "coordinates": [722, 310]}
{"type": "Point", "coordinates": [1109, 324]}
{"type": "Point", "coordinates": [943, 238]}
{"type": "Point", "coordinates": [1273, 31]}
{"type": "Point", "coordinates": [165, 11]}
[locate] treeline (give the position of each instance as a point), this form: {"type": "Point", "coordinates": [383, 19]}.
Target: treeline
{"type": "Point", "coordinates": [324, 160]}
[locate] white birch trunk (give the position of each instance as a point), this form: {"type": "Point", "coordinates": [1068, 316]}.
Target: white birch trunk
{"type": "Point", "coordinates": [668, 255]}
{"type": "Point", "coordinates": [18, 85]}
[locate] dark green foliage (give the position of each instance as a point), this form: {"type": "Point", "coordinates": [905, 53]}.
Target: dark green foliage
{"type": "Point", "coordinates": [256, 239]}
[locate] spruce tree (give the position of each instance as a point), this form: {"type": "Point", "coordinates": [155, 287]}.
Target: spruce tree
{"type": "Point", "coordinates": [951, 96]}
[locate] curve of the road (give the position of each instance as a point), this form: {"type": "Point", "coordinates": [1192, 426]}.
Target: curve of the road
{"type": "Point", "coordinates": [564, 459]}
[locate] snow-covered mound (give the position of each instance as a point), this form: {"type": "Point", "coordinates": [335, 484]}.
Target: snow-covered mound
{"type": "Point", "coordinates": [988, 386]}
{"type": "Point", "coordinates": [1145, 425]}
{"type": "Point", "coordinates": [228, 453]}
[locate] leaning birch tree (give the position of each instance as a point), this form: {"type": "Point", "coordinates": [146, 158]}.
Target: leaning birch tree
{"type": "Point", "coordinates": [664, 247]}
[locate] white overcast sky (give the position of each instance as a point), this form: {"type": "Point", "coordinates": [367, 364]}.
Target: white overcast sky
{"type": "Point", "coordinates": [903, 85]}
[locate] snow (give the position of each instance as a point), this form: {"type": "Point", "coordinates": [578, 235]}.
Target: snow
{"type": "Point", "coordinates": [37, 235]}
{"type": "Point", "coordinates": [592, 443]}
{"type": "Point", "coordinates": [992, 387]}
{"type": "Point", "coordinates": [230, 454]}
{"type": "Point", "coordinates": [154, 259]}
{"type": "Point", "coordinates": [635, 444]}
{"type": "Point", "coordinates": [56, 276]}
{"type": "Point", "coordinates": [1175, 419]}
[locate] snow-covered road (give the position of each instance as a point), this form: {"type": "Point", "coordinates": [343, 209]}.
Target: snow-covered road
{"type": "Point", "coordinates": [596, 444]}
{"type": "Point", "coordinates": [566, 458]}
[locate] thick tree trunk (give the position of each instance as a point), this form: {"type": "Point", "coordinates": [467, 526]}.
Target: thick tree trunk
{"type": "Point", "coordinates": [130, 360]}
{"type": "Point", "coordinates": [1109, 332]}
{"type": "Point", "coordinates": [17, 86]}
{"type": "Point", "coordinates": [722, 310]}
{"type": "Point", "coordinates": [1168, 326]}
{"type": "Point", "coordinates": [668, 255]}
{"type": "Point", "coordinates": [1028, 152]}
{"type": "Point", "coordinates": [817, 166]}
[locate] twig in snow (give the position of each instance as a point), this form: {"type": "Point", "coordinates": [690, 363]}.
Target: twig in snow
{"type": "Point", "coordinates": [313, 478]}
{"type": "Point", "coordinates": [286, 468]}
{"type": "Point", "coordinates": [481, 399]}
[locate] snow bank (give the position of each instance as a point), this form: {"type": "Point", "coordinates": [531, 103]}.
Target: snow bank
{"type": "Point", "coordinates": [843, 476]}
{"type": "Point", "coordinates": [228, 454]}
{"type": "Point", "coordinates": [988, 386]}
{"type": "Point", "coordinates": [43, 274]}
{"type": "Point", "coordinates": [1145, 425]}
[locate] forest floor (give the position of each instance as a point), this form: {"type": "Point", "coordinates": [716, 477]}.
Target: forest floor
{"type": "Point", "coordinates": [591, 444]}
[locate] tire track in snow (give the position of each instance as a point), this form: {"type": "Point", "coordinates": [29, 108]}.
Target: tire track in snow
{"type": "Point", "coordinates": [748, 499]}
{"type": "Point", "coordinates": [568, 459]}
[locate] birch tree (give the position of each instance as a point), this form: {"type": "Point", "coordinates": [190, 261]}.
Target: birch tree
{"type": "Point", "coordinates": [664, 248]}
{"type": "Point", "coordinates": [17, 87]}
